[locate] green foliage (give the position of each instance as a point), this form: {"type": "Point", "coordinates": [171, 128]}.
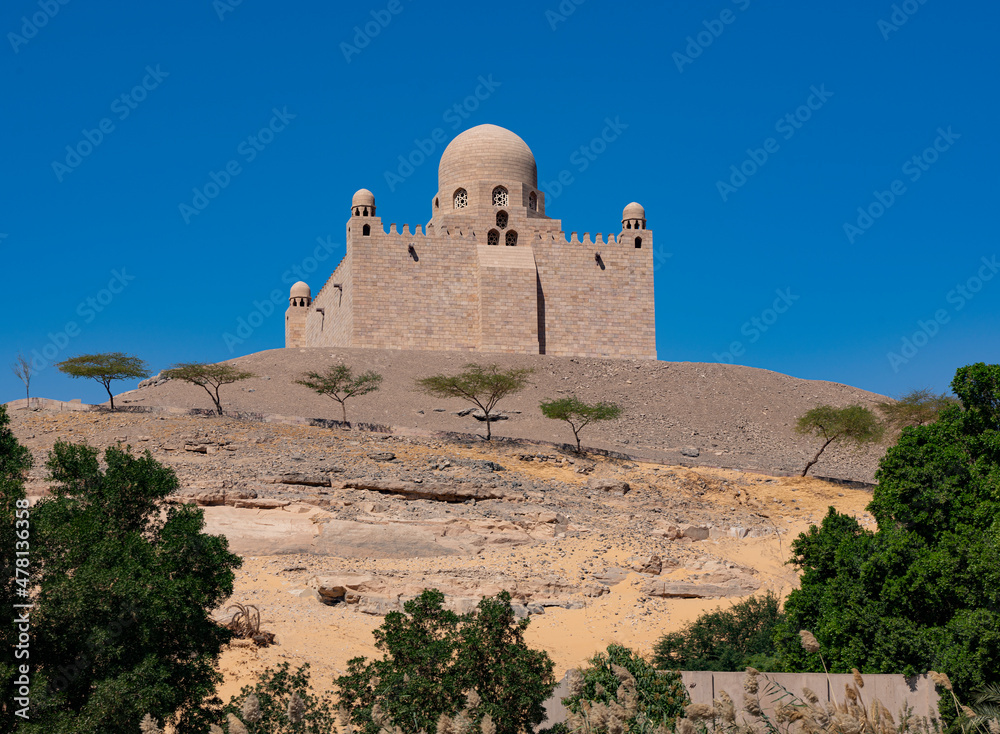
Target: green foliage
{"type": "Point", "coordinates": [579, 414]}
{"type": "Point", "coordinates": [915, 408]}
{"type": "Point", "coordinates": [484, 386]}
{"type": "Point", "coordinates": [273, 691]}
{"type": "Point", "coordinates": [15, 536]}
{"type": "Point", "coordinates": [726, 639]}
{"type": "Point", "coordinates": [210, 377]}
{"type": "Point", "coordinates": [120, 625]}
{"type": "Point", "coordinates": [434, 659]}
{"type": "Point", "coordinates": [923, 592]}
{"type": "Point", "coordinates": [105, 368]}
{"type": "Point", "coordinates": [339, 383]}
{"type": "Point", "coordinates": [854, 423]}
{"type": "Point", "coordinates": [661, 696]}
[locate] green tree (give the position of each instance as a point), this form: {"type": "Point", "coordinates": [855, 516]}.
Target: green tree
{"type": "Point", "coordinates": [16, 578]}
{"type": "Point", "coordinates": [854, 423]}
{"type": "Point", "coordinates": [209, 377]}
{"type": "Point", "coordinates": [434, 659]}
{"type": "Point", "coordinates": [339, 383]}
{"type": "Point", "coordinates": [579, 414]}
{"type": "Point", "coordinates": [121, 626]}
{"type": "Point", "coordinates": [915, 408]}
{"type": "Point", "coordinates": [647, 698]}
{"type": "Point", "coordinates": [923, 591]}
{"type": "Point", "coordinates": [105, 368]}
{"type": "Point", "coordinates": [484, 386]}
{"type": "Point", "coordinates": [726, 639]}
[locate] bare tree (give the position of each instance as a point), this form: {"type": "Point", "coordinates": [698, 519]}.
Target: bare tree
{"type": "Point", "coordinates": [22, 368]}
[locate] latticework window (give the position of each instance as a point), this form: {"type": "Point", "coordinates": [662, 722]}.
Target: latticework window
{"type": "Point", "coordinates": [502, 220]}
{"type": "Point", "coordinates": [493, 238]}
{"type": "Point", "coordinates": [461, 199]}
{"type": "Point", "coordinates": [533, 201]}
{"type": "Point", "coordinates": [500, 196]}
{"type": "Point", "coordinates": [511, 238]}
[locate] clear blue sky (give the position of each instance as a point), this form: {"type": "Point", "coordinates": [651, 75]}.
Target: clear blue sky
{"type": "Point", "coordinates": [693, 89]}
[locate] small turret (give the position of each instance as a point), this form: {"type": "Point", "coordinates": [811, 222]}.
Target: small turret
{"type": "Point", "coordinates": [363, 204]}
{"type": "Point", "coordinates": [634, 217]}
{"type": "Point", "coordinates": [299, 300]}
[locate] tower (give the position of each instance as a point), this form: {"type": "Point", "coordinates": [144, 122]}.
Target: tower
{"type": "Point", "coordinates": [299, 300]}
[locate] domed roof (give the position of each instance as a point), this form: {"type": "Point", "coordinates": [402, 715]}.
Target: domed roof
{"type": "Point", "coordinates": [634, 211]}
{"type": "Point", "coordinates": [300, 290]}
{"type": "Point", "coordinates": [486, 152]}
{"type": "Point", "coordinates": [363, 197]}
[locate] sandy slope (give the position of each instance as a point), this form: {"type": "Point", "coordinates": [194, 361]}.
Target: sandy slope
{"type": "Point", "coordinates": [737, 417]}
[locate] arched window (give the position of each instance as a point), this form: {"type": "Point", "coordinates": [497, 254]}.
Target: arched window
{"type": "Point", "coordinates": [500, 197]}
{"type": "Point", "coordinates": [367, 230]}
{"type": "Point", "coordinates": [502, 220]}
{"type": "Point", "coordinates": [435, 203]}
{"type": "Point", "coordinates": [638, 242]}
{"type": "Point", "coordinates": [493, 238]}
{"type": "Point", "coordinates": [511, 238]}
{"type": "Point", "coordinates": [533, 201]}
{"type": "Point", "coordinates": [365, 212]}
{"type": "Point", "coordinates": [461, 199]}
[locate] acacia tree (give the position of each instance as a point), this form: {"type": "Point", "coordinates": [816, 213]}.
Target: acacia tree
{"type": "Point", "coordinates": [105, 368]}
{"type": "Point", "coordinates": [854, 423]}
{"type": "Point", "coordinates": [579, 414]}
{"type": "Point", "coordinates": [210, 377]}
{"type": "Point", "coordinates": [21, 366]}
{"type": "Point", "coordinates": [484, 386]}
{"type": "Point", "coordinates": [915, 408]}
{"type": "Point", "coordinates": [339, 383]}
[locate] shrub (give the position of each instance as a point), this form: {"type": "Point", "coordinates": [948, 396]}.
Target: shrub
{"type": "Point", "coordinates": [621, 692]}
{"type": "Point", "coordinates": [726, 639]}
{"type": "Point", "coordinates": [282, 702]}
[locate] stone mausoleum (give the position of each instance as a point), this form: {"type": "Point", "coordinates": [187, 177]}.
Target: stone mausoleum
{"type": "Point", "coordinates": [491, 271]}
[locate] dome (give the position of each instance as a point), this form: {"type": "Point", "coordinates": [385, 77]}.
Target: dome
{"type": "Point", "coordinates": [300, 290]}
{"type": "Point", "coordinates": [634, 211]}
{"type": "Point", "coordinates": [363, 197]}
{"type": "Point", "coordinates": [486, 152]}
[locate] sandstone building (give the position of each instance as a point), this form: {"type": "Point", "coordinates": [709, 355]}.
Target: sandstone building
{"type": "Point", "coordinates": [491, 272]}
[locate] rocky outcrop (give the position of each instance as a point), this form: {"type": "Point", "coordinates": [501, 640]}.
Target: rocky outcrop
{"type": "Point", "coordinates": [453, 492]}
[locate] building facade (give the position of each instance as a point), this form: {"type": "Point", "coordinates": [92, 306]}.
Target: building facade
{"type": "Point", "coordinates": [490, 272]}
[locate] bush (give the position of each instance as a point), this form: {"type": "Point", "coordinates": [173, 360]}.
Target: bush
{"type": "Point", "coordinates": [438, 664]}
{"type": "Point", "coordinates": [621, 692]}
{"type": "Point", "coordinates": [283, 703]}
{"type": "Point", "coordinates": [726, 639]}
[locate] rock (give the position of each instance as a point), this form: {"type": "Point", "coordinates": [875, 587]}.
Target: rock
{"type": "Point", "coordinates": [694, 532]}
{"type": "Point", "coordinates": [457, 492]}
{"type": "Point", "coordinates": [646, 564]}
{"type": "Point", "coordinates": [382, 456]}
{"type": "Point", "coordinates": [685, 590]}
{"type": "Point", "coordinates": [260, 504]}
{"type": "Point", "coordinates": [212, 497]}
{"type": "Point", "coordinates": [197, 448]}
{"type": "Point", "coordinates": [465, 412]}
{"type": "Point", "coordinates": [611, 575]}
{"type": "Point", "coordinates": [308, 480]}
{"type": "Point", "coordinates": [610, 486]}
{"type": "Point", "coordinates": [332, 589]}
{"type": "Point", "coordinates": [536, 609]}
{"type": "Point", "coordinates": [690, 451]}
{"type": "Point", "coordinates": [481, 416]}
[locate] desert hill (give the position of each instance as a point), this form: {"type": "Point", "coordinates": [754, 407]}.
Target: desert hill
{"type": "Point", "coordinates": [719, 415]}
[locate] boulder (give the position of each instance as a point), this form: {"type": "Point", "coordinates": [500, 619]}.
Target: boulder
{"type": "Point", "coordinates": [694, 532]}
{"type": "Point", "coordinates": [690, 451]}
{"type": "Point", "coordinates": [260, 504]}
{"type": "Point", "coordinates": [332, 589]}
{"type": "Point", "coordinates": [308, 480]}
{"type": "Point", "coordinates": [687, 590]}
{"type": "Point", "coordinates": [646, 564]}
{"type": "Point", "coordinates": [609, 486]}
{"type": "Point", "coordinates": [382, 456]}
{"type": "Point", "coordinates": [457, 492]}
